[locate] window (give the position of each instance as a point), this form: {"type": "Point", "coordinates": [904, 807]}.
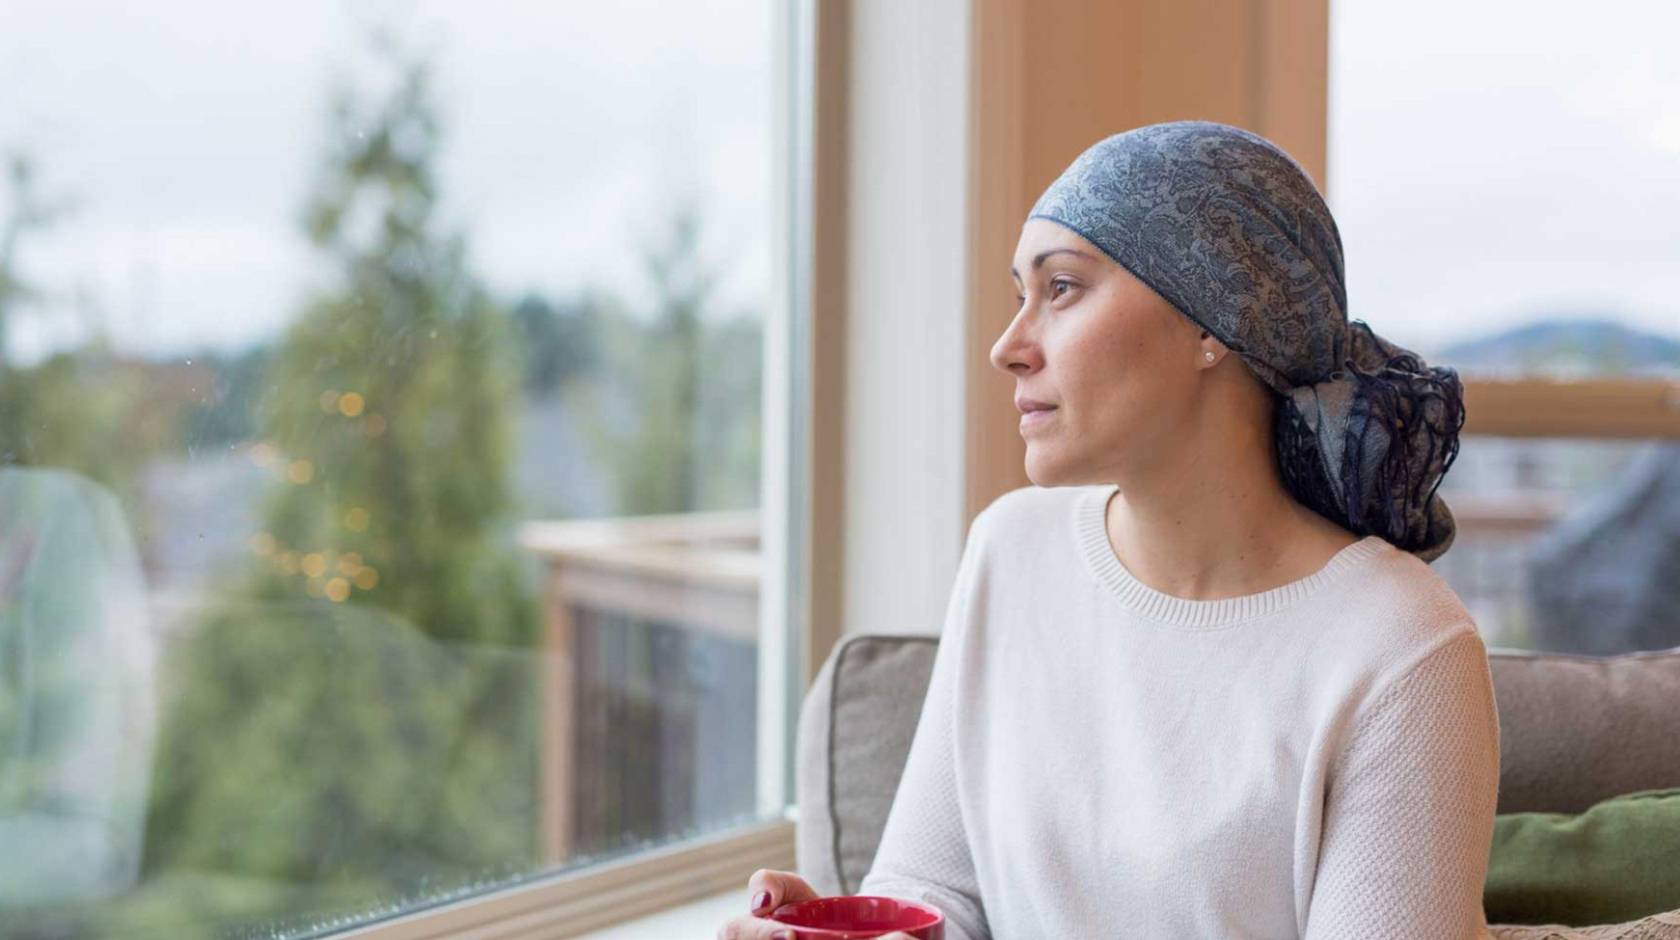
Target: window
{"type": "Point", "coordinates": [1507, 196]}
{"type": "Point", "coordinates": [384, 438]}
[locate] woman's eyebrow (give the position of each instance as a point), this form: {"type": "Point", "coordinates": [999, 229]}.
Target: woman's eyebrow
{"type": "Point", "coordinates": [1038, 262]}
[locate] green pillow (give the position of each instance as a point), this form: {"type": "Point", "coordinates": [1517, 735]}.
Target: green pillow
{"type": "Point", "coordinates": [1618, 861]}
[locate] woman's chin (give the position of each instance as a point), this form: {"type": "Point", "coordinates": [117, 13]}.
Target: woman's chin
{"type": "Point", "coordinates": [1047, 465]}
{"type": "Point", "coordinates": [1043, 469]}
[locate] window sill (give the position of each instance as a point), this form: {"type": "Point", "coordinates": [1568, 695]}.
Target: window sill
{"type": "Point", "coordinates": [697, 919]}
{"type": "Point", "coordinates": [576, 903]}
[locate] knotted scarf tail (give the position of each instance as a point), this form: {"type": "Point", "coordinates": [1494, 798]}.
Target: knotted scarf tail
{"type": "Point", "coordinates": [1401, 436]}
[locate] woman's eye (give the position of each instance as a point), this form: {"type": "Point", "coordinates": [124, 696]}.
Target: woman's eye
{"type": "Point", "coordinates": [1019, 299]}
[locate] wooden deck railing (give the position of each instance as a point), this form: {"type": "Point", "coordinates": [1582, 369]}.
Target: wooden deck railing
{"type": "Point", "coordinates": [1484, 564]}
{"type": "Point", "coordinates": [630, 606]}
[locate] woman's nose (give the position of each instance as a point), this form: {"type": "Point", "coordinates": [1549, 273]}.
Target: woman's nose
{"type": "Point", "coordinates": [1014, 351]}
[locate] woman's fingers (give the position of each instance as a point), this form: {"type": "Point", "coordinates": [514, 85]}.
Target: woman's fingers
{"type": "Point", "coordinates": [755, 928]}
{"type": "Point", "coordinates": [769, 889]}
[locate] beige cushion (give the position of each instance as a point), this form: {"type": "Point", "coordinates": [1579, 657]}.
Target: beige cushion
{"type": "Point", "coordinates": [1579, 729]}
{"type": "Point", "coordinates": [855, 730]}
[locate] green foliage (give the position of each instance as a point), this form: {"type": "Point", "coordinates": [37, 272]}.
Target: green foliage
{"type": "Point", "coordinates": [27, 211]}
{"type": "Point", "coordinates": [358, 749]}
{"type": "Point", "coordinates": [729, 414]}
{"type": "Point", "coordinates": [693, 391]}
{"type": "Point", "coordinates": [559, 341]}
{"type": "Point", "coordinates": [78, 411]}
{"type": "Point", "coordinates": [358, 705]}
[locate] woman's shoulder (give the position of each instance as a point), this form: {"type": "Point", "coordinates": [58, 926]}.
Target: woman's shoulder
{"type": "Point", "coordinates": [1397, 607]}
{"type": "Point", "coordinates": [1032, 507]}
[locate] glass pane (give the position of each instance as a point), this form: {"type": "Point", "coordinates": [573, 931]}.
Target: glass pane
{"type": "Point", "coordinates": [1567, 545]}
{"type": "Point", "coordinates": [380, 407]}
{"type": "Point", "coordinates": [1506, 179]}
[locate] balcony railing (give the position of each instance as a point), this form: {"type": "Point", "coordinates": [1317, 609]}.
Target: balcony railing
{"type": "Point", "coordinates": [650, 641]}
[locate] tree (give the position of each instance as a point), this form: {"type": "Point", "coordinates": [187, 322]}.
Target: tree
{"type": "Point", "coordinates": [358, 707]}
{"type": "Point", "coordinates": [559, 340]}
{"type": "Point", "coordinates": [29, 211]}
{"type": "Point", "coordinates": [690, 440]}
{"type": "Point", "coordinates": [75, 409]}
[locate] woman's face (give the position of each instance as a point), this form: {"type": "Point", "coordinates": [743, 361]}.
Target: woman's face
{"type": "Point", "coordinates": [1119, 363]}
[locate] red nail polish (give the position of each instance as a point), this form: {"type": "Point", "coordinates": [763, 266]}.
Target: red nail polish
{"type": "Point", "coordinates": [760, 901]}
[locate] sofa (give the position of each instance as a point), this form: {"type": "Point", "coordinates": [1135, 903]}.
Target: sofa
{"type": "Point", "coordinates": [1574, 730]}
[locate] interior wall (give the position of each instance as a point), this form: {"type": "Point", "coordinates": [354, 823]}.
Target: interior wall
{"type": "Point", "coordinates": [905, 281]}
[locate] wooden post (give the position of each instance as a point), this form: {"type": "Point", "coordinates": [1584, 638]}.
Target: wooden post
{"type": "Point", "coordinates": [558, 728]}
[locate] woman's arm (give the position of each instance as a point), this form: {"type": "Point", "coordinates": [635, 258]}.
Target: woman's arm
{"type": "Point", "coordinates": [924, 851]}
{"type": "Point", "coordinates": [1408, 817]}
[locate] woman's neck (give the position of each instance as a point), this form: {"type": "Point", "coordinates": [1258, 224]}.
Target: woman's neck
{"type": "Point", "coordinates": [1226, 543]}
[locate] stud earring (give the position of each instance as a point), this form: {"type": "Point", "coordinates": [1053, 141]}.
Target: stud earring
{"type": "Point", "coordinates": [1209, 356]}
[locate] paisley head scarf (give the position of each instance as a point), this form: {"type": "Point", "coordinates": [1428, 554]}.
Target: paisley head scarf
{"type": "Point", "coordinates": [1227, 228]}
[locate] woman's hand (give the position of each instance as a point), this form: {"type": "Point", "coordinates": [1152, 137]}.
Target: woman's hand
{"type": "Point", "coordinates": [769, 890]}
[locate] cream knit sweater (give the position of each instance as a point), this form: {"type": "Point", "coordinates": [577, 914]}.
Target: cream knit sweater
{"type": "Point", "coordinates": [1097, 759]}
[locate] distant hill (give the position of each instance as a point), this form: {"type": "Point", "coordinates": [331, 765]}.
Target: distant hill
{"type": "Point", "coordinates": [1566, 347]}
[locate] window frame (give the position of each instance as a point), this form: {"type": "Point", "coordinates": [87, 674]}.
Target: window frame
{"type": "Point", "coordinates": [1586, 408]}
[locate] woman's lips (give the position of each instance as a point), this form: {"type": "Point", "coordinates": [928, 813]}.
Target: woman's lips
{"type": "Point", "coordinates": [1033, 419]}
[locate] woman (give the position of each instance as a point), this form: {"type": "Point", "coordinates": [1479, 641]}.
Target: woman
{"type": "Point", "coordinates": [1200, 680]}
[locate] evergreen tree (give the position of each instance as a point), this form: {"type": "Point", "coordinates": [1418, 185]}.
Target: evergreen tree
{"type": "Point", "coordinates": [729, 416]}
{"type": "Point", "coordinates": [691, 439]}
{"type": "Point", "coordinates": [559, 341]}
{"type": "Point", "coordinates": [75, 409]}
{"type": "Point", "coordinates": [27, 211]}
{"type": "Point", "coordinates": [359, 706]}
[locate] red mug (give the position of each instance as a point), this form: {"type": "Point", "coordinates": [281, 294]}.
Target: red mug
{"type": "Point", "coordinates": [859, 916]}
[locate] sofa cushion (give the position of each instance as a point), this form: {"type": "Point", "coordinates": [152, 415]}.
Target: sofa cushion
{"type": "Point", "coordinates": [855, 729]}
{"type": "Point", "coordinates": [1577, 729]}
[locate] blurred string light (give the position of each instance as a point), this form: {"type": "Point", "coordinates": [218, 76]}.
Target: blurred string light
{"type": "Point", "coordinates": [349, 571]}
{"type": "Point", "coordinates": [325, 575]}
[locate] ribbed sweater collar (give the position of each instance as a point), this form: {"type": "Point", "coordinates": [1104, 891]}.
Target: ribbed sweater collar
{"type": "Point", "coordinates": [1091, 532]}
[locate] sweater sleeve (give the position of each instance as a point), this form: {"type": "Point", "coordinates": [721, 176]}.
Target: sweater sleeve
{"type": "Point", "coordinates": [924, 849]}
{"type": "Point", "coordinates": [1409, 806]}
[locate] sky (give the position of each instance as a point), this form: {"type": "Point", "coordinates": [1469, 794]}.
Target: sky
{"type": "Point", "coordinates": [1489, 164]}
{"type": "Point", "coordinates": [188, 133]}
{"type": "Point", "coordinates": [1494, 163]}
